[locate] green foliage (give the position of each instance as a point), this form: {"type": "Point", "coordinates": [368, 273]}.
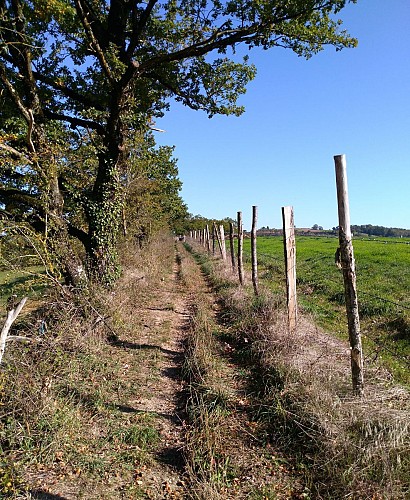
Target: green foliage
{"type": "Point", "coordinates": [80, 79]}
{"type": "Point", "coordinates": [151, 187]}
{"type": "Point", "coordinates": [381, 231]}
{"type": "Point", "coordinates": [198, 222]}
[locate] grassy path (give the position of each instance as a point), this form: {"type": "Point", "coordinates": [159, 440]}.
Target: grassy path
{"type": "Point", "coordinates": [118, 432]}
{"type": "Point", "coordinates": [228, 454]}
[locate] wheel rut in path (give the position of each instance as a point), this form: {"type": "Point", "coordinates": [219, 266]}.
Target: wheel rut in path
{"type": "Point", "coordinates": [165, 319]}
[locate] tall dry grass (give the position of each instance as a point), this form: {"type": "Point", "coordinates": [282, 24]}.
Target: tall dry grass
{"type": "Point", "coordinates": [346, 446]}
{"type": "Point", "coordinates": [57, 416]}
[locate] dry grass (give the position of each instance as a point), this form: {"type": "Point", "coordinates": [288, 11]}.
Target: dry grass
{"type": "Point", "coordinates": [64, 422]}
{"type": "Point", "coordinates": [224, 457]}
{"type": "Point", "coordinates": [206, 449]}
{"type": "Point", "coordinates": [347, 447]}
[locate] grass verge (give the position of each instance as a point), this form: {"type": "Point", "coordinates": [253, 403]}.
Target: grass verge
{"type": "Point", "coordinates": [343, 446]}
{"type": "Point", "coordinates": [67, 422]}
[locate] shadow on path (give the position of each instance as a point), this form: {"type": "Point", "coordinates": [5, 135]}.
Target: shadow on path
{"type": "Point", "coordinates": [43, 495]}
{"type": "Point", "coordinates": [125, 344]}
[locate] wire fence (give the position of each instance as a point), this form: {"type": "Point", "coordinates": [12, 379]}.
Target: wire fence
{"type": "Point", "coordinates": [383, 319]}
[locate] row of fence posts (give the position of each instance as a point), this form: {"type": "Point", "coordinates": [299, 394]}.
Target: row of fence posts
{"type": "Point", "coordinates": [344, 259]}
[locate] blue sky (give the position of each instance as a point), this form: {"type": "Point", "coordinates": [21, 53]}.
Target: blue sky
{"type": "Point", "coordinates": [299, 114]}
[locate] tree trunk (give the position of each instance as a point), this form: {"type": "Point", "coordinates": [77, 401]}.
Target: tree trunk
{"type": "Point", "coordinates": [104, 217]}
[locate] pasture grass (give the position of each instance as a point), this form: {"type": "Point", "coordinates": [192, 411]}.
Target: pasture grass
{"type": "Point", "coordinates": [383, 282]}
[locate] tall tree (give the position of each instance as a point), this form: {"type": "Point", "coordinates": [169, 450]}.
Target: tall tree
{"type": "Point", "coordinates": [105, 69]}
{"type": "Point", "coordinates": [29, 144]}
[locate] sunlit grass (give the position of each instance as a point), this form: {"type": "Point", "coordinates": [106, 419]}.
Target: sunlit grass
{"type": "Point", "coordinates": [29, 281]}
{"type": "Point", "coordinates": [383, 282]}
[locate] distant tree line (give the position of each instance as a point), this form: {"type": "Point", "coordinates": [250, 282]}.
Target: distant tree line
{"type": "Point", "coordinates": [197, 222]}
{"type": "Point", "coordinates": [381, 231]}
{"type": "Point", "coordinates": [371, 230]}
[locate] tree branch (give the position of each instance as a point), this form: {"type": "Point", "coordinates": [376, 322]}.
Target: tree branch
{"type": "Point", "coordinates": [89, 30]}
{"type": "Point", "coordinates": [140, 26]}
{"type": "Point", "coordinates": [23, 197]}
{"type": "Point", "coordinates": [11, 317]}
{"type": "Point", "coordinates": [15, 153]}
{"type": "Point", "coordinates": [79, 122]}
{"type": "Point", "coordinates": [215, 41]}
{"type": "Point", "coordinates": [13, 93]}
{"type": "Point", "coordinates": [173, 89]}
{"type": "Point", "coordinates": [79, 234]}
{"type": "Point", "coordinates": [69, 92]}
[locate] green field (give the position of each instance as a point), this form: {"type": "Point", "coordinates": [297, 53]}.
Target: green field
{"type": "Point", "coordinates": [383, 284]}
{"type": "Point", "coordinates": [21, 282]}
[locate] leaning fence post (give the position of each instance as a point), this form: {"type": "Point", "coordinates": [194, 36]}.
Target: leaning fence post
{"type": "Point", "coordinates": [218, 238]}
{"type": "Point", "coordinates": [231, 246]}
{"type": "Point", "coordinates": [290, 265]}
{"type": "Point", "coordinates": [253, 250]}
{"type": "Point", "coordinates": [240, 248]}
{"type": "Point", "coordinates": [345, 259]}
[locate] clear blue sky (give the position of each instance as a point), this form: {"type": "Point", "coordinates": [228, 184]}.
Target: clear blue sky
{"type": "Point", "coordinates": [299, 114]}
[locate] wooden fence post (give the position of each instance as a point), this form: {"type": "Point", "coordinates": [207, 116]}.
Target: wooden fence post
{"type": "Point", "coordinates": [223, 246]}
{"type": "Point", "coordinates": [290, 266]}
{"type": "Point", "coordinates": [208, 242]}
{"type": "Point", "coordinates": [218, 238]}
{"type": "Point", "coordinates": [345, 259]}
{"type": "Point", "coordinates": [231, 246]}
{"type": "Point", "coordinates": [240, 248]}
{"type": "Point", "coordinates": [253, 251]}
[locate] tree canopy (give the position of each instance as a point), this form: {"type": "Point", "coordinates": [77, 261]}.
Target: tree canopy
{"type": "Point", "coordinates": [80, 79]}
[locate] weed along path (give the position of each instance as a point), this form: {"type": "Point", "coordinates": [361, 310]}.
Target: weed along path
{"type": "Point", "coordinates": [229, 454]}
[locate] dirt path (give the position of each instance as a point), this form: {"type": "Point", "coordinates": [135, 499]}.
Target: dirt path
{"type": "Point", "coordinates": [122, 409]}
{"type": "Point", "coordinates": [165, 319]}
{"type": "Point", "coordinates": [128, 403]}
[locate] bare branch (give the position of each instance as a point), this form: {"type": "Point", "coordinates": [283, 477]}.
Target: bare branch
{"type": "Point", "coordinates": [89, 30]}
{"type": "Point", "coordinates": [15, 153]}
{"type": "Point", "coordinates": [11, 317]}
